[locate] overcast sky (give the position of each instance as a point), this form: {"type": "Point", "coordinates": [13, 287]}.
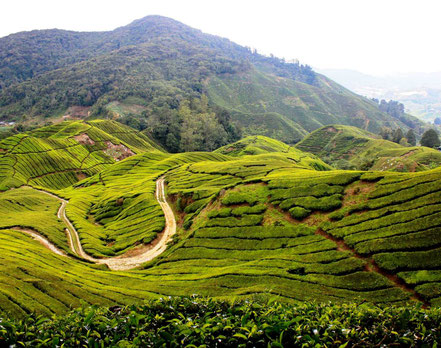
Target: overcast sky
{"type": "Point", "coordinates": [375, 36]}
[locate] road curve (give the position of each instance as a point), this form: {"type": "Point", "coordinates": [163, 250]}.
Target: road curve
{"type": "Point", "coordinates": [129, 260]}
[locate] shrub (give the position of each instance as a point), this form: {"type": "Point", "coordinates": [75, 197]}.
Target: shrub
{"type": "Point", "coordinates": [223, 212]}
{"type": "Point", "coordinates": [195, 206]}
{"type": "Point", "coordinates": [235, 197]}
{"type": "Point", "coordinates": [299, 213]}
{"type": "Point", "coordinates": [193, 321]}
{"type": "Point", "coordinates": [328, 203]}
{"type": "Point", "coordinates": [257, 209]}
{"type": "Point", "coordinates": [247, 220]}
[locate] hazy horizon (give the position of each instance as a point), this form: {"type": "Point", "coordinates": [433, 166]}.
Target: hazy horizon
{"type": "Point", "coordinates": [372, 37]}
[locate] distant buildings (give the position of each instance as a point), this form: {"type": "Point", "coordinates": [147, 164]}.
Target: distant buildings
{"type": "Point", "coordinates": [6, 124]}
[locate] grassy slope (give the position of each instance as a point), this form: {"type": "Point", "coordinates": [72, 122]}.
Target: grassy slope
{"type": "Point", "coordinates": [287, 110]}
{"type": "Point", "coordinates": [344, 145]}
{"type": "Point", "coordinates": [258, 145]}
{"type": "Point", "coordinates": [251, 225]}
{"type": "Point", "coordinates": [58, 156]}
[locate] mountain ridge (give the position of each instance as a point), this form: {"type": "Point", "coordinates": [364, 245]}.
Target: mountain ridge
{"type": "Point", "coordinates": [164, 64]}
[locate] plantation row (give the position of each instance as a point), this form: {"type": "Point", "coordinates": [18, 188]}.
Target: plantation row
{"type": "Point", "coordinates": [398, 227]}
{"type": "Point", "coordinates": [116, 209]}
{"type": "Point", "coordinates": [260, 225]}
{"type": "Point", "coordinates": [229, 244]}
{"type": "Point", "coordinates": [30, 209]}
{"type": "Point", "coordinates": [61, 155]}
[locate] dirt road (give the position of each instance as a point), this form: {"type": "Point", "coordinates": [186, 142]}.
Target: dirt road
{"type": "Point", "coordinates": [129, 260]}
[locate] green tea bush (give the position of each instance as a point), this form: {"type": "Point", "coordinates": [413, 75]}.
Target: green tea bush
{"type": "Point", "coordinates": [299, 213]}
{"type": "Point", "coordinates": [246, 220]}
{"type": "Point", "coordinates": [327, 203]}
{"type": "Point", "coordinates": [234, 197]}
{"type": "Point", "coordinates": [223, 212]}
{"type": "Point", "coordinates": [178, 322]}
{"type": "Point", "coordinates": [195, 206]}
{"type": "Point", "coordinates": [317, 191]}
{"type": "Point", "coordinates": [257, 209]}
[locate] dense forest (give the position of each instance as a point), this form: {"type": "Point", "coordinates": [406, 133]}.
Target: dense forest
{"type": "Point", "coordinates": [173, 81]}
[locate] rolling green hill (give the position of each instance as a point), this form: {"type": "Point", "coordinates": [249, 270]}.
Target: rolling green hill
{"type": "Point", "coordinates": [259, 145]}
{"type": "Point", "coordinates": [144, 72]}
{"type": "Point", "coordinates": [353, 148]}
{"type": "Point", "coordinates": [58, 156]}
{"type": "Point", "coordinates": [271, 224]}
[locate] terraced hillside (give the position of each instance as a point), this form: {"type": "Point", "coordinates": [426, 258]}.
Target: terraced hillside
{"type": "Point", "coordinates": [259, 144]}
{"type": "Point", "coordinates": [58, 156]}
{"type": "Point", "coordinates": [259, 225]}
{"type": "Point", "coordinates": [348, 147]}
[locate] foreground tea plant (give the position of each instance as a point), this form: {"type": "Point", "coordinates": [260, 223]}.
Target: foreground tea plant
{"type": "Point", "coordinates": [178, 322]}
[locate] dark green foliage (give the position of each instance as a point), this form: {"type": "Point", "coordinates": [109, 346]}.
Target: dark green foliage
{"type": "Point", "coordinates": [190, 125]}
{"type": "Point", "coordinates": [410, 136]}
{"type": "Point", "coordinates": [178, 322]}
{"type": "Point", "coordinates": [234, 197]}
{"type": "Point", "coordinates": [223, 212]}
{"type": "Point", "coordinates": [246, 220]}
{"type": "Point", "coordinates": [299, 213]}
{"type": "Point", "coordinates": [396, 110]}
{"type": "Point", "coordinates": [430, 139]}
{"type": "Point", "coordinates": [142, 72]}
{"type": "Point", "coordinates": [257, 209]}
{"type": "Point", "coordinates": [328, 203]}
{"type": "Point", "coordinates": [398, 135]}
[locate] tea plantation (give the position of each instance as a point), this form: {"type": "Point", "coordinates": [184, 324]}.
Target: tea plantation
{"type": "Point", "coordinates": [274, 223]}
{"type": "Point", "coordinates": [347, 147]}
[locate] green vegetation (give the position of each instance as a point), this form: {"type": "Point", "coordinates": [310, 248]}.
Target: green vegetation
{"type": "Point", "coordinates": [430, 139]}
{"type": "Point", "coordinates": [202, 322]}
{"type": "Point", "coordinates": [60, 155]}
{"type": "Point", "coordinates": [256, 219]}
{"type": "Point", "coordinates": [347, 147]}
{"type": "Point", "coordinates": [154, 75]}
{"type": "Point", "coordinates": [278, 225]}
{"type": "Point", "coordinates": [256, 145]}
{"type": "Point", "coordinates": [287, 109]}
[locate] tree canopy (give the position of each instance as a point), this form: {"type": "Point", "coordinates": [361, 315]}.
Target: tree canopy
{"type": "Point", "coordinates": [430, 139]}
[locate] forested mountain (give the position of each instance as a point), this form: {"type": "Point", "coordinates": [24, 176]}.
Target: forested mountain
{"type": "Point", "coordinates": [176, 82]}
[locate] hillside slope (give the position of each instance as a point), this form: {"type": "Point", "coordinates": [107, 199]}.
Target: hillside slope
{"type": "Point", "coordinates": [259, 225]}
{"type": "Point", "coordinates": [160, 63]}
{"type": "Point", "coordinates": [58, 156]}
{"type": "Point", "coordinates": [353, 148]}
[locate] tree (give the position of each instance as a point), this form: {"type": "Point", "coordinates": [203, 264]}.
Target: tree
{"type": "Point", "coordinates": [386, 133]}
{"type": "Point", "coordinates": [430, 139]}
{"type": "Point", "coordinates": [398, 135]}
{"type": "Point", "coordinates": [411, 138]}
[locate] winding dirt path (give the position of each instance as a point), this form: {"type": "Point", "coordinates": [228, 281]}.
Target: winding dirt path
{"type": "Point", "coordinates": [132, 258]}
{"type": "Point", "coordinates": [39, 238]}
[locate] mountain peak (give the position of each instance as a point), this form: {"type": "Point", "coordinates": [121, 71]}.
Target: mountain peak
{"type": "Point", "coordinates": [156, 21]}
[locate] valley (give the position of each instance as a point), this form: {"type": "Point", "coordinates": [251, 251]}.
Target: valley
{"type": "Point", "coordinates": [277, 222]}
{"type": "Point", "coordinates": [164, 187]}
